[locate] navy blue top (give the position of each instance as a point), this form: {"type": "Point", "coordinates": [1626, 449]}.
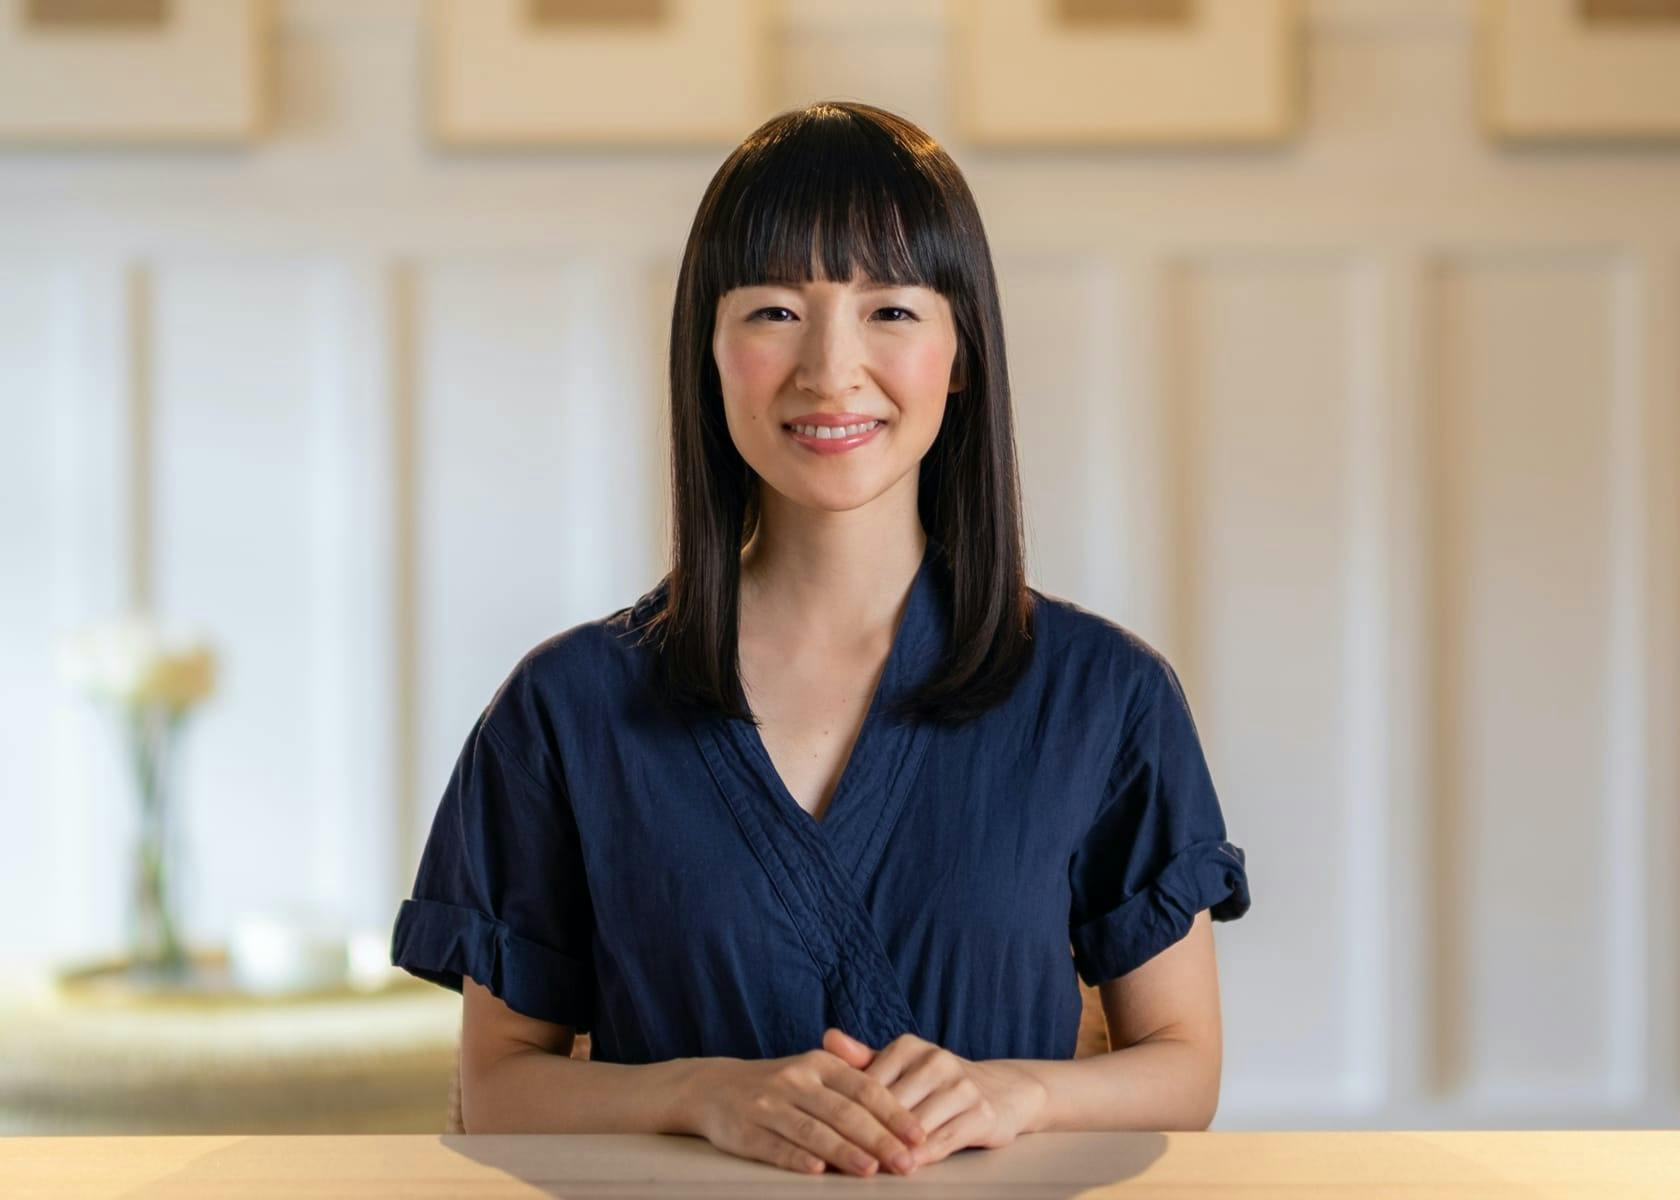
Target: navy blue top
{"type": "Point", "coordinates": [600, 862]}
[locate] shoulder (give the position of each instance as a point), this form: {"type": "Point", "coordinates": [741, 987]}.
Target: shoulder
{"type": "Point", "coordinates": [1097, 652]}
{"type": "Point", "coordinates": [602, 644]}
{"type": "Point", "coordinates": [591, 665]}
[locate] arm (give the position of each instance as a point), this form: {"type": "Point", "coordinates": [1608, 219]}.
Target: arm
{"type": "Point", "coordinates": [518, 1076]}
{"type": "Point", "coordinates": [537, 1091]}
{"type": "Point", "coordinates": [1164, 1018]}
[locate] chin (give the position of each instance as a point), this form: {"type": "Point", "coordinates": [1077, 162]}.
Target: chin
{"type": "Point", "coordinates": [830, 499]}
{"type": "Point", "coordinates": [837, 503]}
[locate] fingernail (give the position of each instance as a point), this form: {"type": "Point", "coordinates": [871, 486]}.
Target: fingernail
{"type": "Point", "coordinates": [901, 1163]}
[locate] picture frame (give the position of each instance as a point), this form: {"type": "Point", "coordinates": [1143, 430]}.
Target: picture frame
{"type": "Point", "coordinates": [134, 71]}
{"type": "Point", "coordinates": [597, 72]}
{"type": "Point", "coordinates": [1578, 69]}
{"type": "Point", "coordinates": [1126, 72]}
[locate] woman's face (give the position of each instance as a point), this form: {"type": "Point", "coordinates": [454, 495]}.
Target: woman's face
{"type": "Point", "coordinates": [811, 353]}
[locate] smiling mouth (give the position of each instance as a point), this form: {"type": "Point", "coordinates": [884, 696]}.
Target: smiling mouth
{"type": "Point", "coordinates": [831, 439]}
{"type": "Point", "coordinates": [834, 431]}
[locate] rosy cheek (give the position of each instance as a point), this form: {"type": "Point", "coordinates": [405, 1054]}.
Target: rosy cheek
{"type": "Point", "coordinates": [927, 367]}
{"type": "Point", "coordinates": [747, 363]}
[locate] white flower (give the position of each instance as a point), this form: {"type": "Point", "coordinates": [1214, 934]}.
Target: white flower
{"type": "Point", "coordinates": [133, 661]}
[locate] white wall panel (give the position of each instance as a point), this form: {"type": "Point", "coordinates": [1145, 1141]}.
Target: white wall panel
{"type": "Point", "coordinates": [67, 343]}
{"type": "Point", "coordinates": [1525, 458]}
{"type": "Point", "coordinates": [1066, 374]}
{"type": "Point", "coordinates": [1261, 387]}
{"type": "Point", "coordinates": [535, 456]}
{"type": "Point", "coordinates": [234, 453]}
{"type": "Point", "coordinates": [28, 388]}
{"type": "Point", "coordinates": [359, 612]}
{"type": "Point", "coordinates": [1655, 347]}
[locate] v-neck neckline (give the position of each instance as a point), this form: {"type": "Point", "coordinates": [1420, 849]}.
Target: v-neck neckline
{"type": "Point", "coordinates": [909, 638]}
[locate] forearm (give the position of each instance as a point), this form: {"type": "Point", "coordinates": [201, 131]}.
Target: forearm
{"type": "Point", "coordinates": [1163, 1084]}
{"type": "Point", "coordinates": [537, 1092]}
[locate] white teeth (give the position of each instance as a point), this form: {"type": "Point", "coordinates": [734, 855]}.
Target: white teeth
{"type": "Point", "coordinates": [833, 431]}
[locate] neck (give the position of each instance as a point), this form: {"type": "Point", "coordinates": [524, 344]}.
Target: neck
{"type": "Point", "coordinates": [831, 578]}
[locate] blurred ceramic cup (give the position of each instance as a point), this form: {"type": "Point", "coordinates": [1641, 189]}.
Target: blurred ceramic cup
{"type": "Point", "coordinates": [288, 950]}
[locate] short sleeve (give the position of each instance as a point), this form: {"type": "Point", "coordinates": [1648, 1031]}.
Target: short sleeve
{"type": "Point", "coordinates": [500, 893]}
{"type": "Point", "coordinates": [1156, 854]}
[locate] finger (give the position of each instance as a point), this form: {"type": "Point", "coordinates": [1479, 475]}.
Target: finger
{"type": "Point", "coordinates": [882, 1106]}
{"type": "Point", "coordinates": [945, 1105]}
{"type": "Point", "coordinates": [961, 1130]}
{"type": "Point", "coordinates": [922, 1079]}
{"type": "Point", "coordinates": [812, 1132]}
{"type": "Point", "coordinates": [767, 1145]}
{"type": "Point", "coordinates": [898, 1057]}
{"type": "Point", "coordinates": [857, 1125]}
{"type": "Point", "coordinates": [845, 1046]}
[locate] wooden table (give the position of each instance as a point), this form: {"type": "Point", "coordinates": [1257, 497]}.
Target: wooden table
{"type": "Point", "coordinates": [1182, 1166]}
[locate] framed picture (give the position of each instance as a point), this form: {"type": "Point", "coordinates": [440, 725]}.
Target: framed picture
{"type": "Point", "coordinates": [1123, 72]}
{"type": "Point", "coordinates": [1579, 68]}
{"type": "Point", "coordinates": [614, 72]}
{"type": "Point", "coordinates": [133, 70]}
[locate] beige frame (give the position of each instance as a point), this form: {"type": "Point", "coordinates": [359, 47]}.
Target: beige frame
{"type": "Point", "coordinates": [699, 78]}
{"type": "Point", "coordinates": [1542, 75]}
{"type": "Point", "coordinates": [1233, 75]}
{"type": "Point", "coordinates": [205, 76]}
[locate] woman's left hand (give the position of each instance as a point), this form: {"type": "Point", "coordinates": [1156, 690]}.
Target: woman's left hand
{"type": "Point", "coordinates": [959, 1102]}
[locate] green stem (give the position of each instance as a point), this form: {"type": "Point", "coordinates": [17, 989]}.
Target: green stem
{"type": "Point", "coordinates": [158, 942]}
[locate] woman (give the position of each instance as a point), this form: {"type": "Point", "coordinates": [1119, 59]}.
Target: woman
{"type": "Point", "coordinates": [813, 836]}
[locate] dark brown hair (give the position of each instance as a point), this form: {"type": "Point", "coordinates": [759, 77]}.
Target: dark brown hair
{"type": "Point", "coordinates": [857, 187]}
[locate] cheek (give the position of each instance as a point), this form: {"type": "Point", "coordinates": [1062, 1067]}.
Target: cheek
{"type": "Point", "coordinates": [924, 370]}
{"type": "Point", "coordinates": [746, 364]}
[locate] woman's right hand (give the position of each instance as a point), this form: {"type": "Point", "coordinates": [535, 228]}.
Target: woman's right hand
{"type": "Point", "coordinates": [803, 1112]}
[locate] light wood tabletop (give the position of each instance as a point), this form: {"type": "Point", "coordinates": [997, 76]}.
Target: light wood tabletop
{"type": "Point", "coordinates": [1255, 1166]}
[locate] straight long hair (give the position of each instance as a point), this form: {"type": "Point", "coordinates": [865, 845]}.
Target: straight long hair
{"type": "Point", "coordinates": [856, 187]}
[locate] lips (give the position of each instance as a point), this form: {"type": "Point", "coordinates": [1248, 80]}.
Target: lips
{"type": "Point", "coordinates": [836, 443]}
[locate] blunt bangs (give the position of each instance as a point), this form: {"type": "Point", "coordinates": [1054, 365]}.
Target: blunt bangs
{"type": "Point", "coordinates": [830, 198]}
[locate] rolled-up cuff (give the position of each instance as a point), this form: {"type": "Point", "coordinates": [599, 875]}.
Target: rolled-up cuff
{"type": "Point", "coordinates": [1208, 875]}
{"type": "Point", "coordinates": [441, 942]}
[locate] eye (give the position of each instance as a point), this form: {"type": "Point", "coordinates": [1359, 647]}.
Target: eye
{"type": "Point", "coordinates": [760, 315]}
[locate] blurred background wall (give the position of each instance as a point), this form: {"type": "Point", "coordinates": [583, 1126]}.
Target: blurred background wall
{"type": "Point", "coordinates": [1373, 432]}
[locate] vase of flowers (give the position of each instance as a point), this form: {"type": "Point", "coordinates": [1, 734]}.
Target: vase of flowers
{"type": "Point", "coordinates": [152, 679]}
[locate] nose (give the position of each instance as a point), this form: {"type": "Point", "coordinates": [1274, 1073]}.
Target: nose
{"type": "Point", "coordinates": [831, 356]}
